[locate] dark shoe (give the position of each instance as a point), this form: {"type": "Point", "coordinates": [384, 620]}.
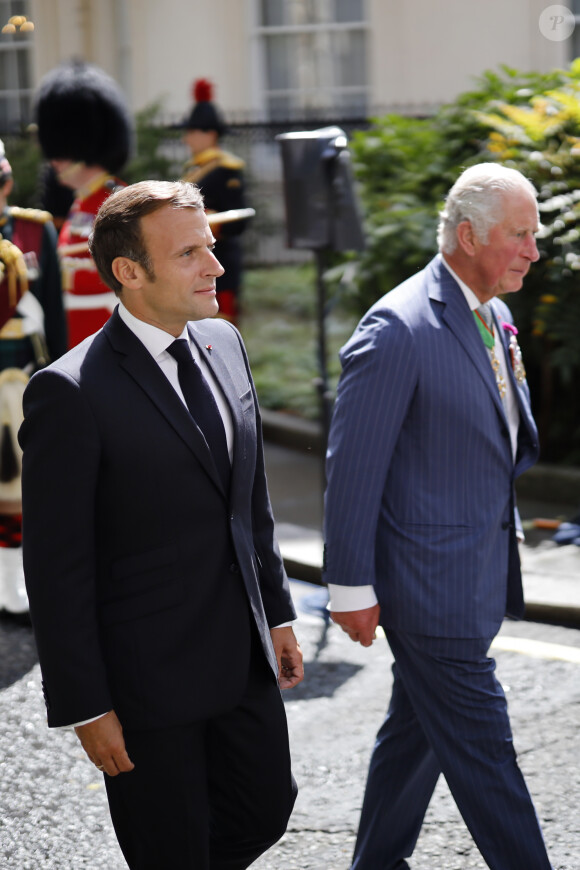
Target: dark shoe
{"type": "Point", "coordinates": [17, 618]}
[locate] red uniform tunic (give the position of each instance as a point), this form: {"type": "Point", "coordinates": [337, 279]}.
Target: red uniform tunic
{"type": "Point", "coordinates": [220, 177]}
{"type": "Point", "coordinates": [88, 302]}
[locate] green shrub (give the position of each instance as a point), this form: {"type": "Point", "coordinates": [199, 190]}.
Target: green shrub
{"type": "Point", "coordinates": [150, 160]}
{"type": "Point", "coordinates": [405, 166]}
{"type": "Point", "coordinates": [25, 159]}
{"type": "Point", "coordinates": [279, 327]}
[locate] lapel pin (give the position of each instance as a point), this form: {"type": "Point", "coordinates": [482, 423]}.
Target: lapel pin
{"type": "Point", "coordinates": [208, 347]}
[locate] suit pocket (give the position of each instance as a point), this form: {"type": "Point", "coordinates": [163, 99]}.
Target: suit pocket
{"type": "Point", "coordinates": [430, 529]}
{"type": "Point", "coordinates": [140, 585]}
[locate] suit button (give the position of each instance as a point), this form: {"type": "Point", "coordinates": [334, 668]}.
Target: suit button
{"type": "Point", "coordinates": [505, 525]}
{"type": "Point", "coordinates": [234, 568]}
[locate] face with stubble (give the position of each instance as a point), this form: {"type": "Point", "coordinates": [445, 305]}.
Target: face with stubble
{"type": "Point", "coordinates": [180, 285]}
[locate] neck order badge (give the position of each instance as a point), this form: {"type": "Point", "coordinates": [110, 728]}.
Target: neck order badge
{"type": "Point", "coordinates": [483, 318]}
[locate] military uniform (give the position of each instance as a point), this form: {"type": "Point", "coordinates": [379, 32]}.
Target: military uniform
{"type": "Point", "coordinates": [83, 119]}
{"type": "Point", "coordinates": [33, 331]}
{"type": "Point", "coordinates": [33, 232]}
{"type": "Point", "coordinates": [220, 176]}
{"type": "Point", "coordinates": [88, 302]}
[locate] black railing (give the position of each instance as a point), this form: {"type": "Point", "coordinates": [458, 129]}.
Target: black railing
{"type": "Point", "coordinates": [265, 239]}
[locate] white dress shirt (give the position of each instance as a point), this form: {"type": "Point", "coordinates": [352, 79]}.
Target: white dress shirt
{"type": "Point", "coordinates": [157, 341]}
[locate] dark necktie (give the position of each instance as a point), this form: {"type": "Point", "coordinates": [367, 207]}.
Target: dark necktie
{"type": "Point", "coordinates": [202, 405]}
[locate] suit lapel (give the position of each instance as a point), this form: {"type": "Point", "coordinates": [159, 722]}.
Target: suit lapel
{"type": "Point", "coordinates": [519, 391]}
{"type": "Point", "coordinates": [136, 360]}
{"type": "Point", "coordinates": [220, 369]}
{"type": "Point", "coordinates": [458, 317]}
{"type": "Point", "coordinates": [230, 374]}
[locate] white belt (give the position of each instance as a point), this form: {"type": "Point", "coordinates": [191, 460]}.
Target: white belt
{"type": "Point", "coordinates": [76, 248]}
{"type": "Point", "coordinates": [72, 264]}
{"type": "Point", "coordinates": [74, 302]}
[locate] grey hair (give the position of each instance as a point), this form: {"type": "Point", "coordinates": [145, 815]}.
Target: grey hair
{"type": "Point", "coordinates": [477, 197]}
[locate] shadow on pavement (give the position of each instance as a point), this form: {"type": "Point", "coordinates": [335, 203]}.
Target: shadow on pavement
{"type": "Point", "coordinates": [324, 678]}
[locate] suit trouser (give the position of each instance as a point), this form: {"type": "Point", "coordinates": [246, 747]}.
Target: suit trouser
{"type": "Point", "coordinates": [448, 713]}
{"type": "Point", "coordinates": [211, 795]}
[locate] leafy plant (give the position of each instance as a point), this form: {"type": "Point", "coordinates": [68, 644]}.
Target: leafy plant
{"type": "Point", "coordinates": [279, 328]}
{"type": "Point", "coordinates": [405, 166]}
{"type": "Point", "coordinates": [25, 160]}
{"type": "Point", "coordinates": [151, 160]}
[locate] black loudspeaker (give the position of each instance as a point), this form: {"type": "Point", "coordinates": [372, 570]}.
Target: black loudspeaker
{"type": "Point", "coordinates": [321, 207]}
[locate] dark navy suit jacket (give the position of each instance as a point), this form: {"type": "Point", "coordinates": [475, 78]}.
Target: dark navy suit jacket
{"type": "Point", "coordinates": [144, 576]}
{"type": "Point", "coordinates": [420, 498]}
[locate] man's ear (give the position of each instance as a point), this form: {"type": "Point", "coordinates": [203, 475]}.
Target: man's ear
{"type": "Point", "coordinates": [127, 272]}
{"type": "Point", "coordinates": [466, 238]}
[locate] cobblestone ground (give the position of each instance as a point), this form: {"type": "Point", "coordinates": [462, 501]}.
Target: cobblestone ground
{"type": "Point", "coordinates": [53, 813]}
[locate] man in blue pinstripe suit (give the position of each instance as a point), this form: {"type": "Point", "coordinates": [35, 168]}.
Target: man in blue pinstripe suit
{"type": "Point", "coordinates": [431, 427]}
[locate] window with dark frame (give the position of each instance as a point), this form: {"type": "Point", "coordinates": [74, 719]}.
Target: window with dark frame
{"type": "Point", "coordinates": [16, 89]}
{"type": "Point", "coordinates": [314, 58]}
{"type": "Point", "coordinates": [575, 38]}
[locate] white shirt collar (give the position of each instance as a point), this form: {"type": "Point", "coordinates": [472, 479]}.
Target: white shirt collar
{"type": "Point", "coordinates": [156, 340]}
{"type": "Point", "coordinates": [470, 296]}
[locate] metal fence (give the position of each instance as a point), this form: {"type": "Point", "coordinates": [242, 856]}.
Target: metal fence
{"type": "Point", "coordinates": [265, 239]}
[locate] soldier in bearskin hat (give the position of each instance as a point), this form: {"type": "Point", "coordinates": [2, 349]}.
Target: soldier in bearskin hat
{"type": "Point", "coordinates": [32, 333]}
{"type": "Point", "coordinates": [220, 175]}
{"type": "Point", "coordinates": [84, 130]}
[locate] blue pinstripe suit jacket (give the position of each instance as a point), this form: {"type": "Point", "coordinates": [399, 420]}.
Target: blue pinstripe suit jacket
{"type": "Point", "coordinates": [420, 495]}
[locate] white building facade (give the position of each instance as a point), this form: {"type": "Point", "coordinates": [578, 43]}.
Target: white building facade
{"type": "Point", "coordinates": [279, 59]}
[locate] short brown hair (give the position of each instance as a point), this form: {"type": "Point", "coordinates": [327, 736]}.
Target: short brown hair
{"type": "Point", "coordinates": [117, 228]}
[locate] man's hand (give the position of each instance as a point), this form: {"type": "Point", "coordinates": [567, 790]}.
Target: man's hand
{"type": "Point", "coordinates": [360, 625]}
{"type": "Point", "coordinates": [103, 742]}
{"type": "Point", "coordinates": [288, 656]}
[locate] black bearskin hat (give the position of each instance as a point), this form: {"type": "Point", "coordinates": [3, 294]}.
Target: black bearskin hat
{"type": "Point", "coordinates": [82, 115]}
{"type": "Point", "coordinates": [205, 115]}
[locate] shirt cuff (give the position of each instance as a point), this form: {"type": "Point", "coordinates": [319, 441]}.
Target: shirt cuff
{"type": "Point", "coordinates": [84, 722]}
{"type": "Point", "coordinates": [347, 598]}
{"type": "Point", "coordinates": [284, 624]}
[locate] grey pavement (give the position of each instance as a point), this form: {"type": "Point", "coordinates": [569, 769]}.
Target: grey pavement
{"type": "Point", "coordinates": [538, 664]}
{"type": "Point", "coordinates": [334, 715]}
{"type": "Point", "coordinates": [53, 812]}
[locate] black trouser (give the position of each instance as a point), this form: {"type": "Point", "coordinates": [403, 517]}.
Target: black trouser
{"type": "Point", "coordinates": [212, 795]}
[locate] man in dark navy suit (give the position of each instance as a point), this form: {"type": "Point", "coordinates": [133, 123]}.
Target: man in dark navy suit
{"type": "Point", "coordinates": [157, 592]}
{"type": "Point", "coordinates": [431, 427]}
